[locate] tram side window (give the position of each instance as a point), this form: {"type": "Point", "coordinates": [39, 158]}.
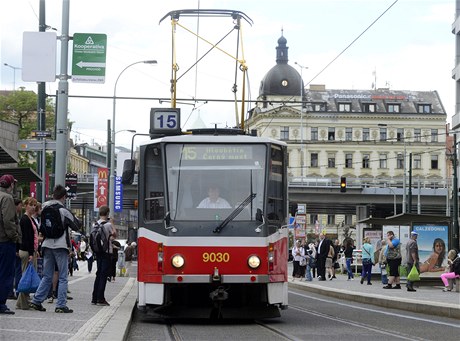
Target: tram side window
{"type": "Point", "coordinates": [154, 205]}
{"type": "Point", "coordinates": [275, 205]}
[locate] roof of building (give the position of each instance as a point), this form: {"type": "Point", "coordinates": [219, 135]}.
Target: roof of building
{"type": "Point", "coordinates": [282, 79]}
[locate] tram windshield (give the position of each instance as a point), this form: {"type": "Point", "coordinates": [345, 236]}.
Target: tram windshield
{"type": "Point", "coordinates": [208, 181]}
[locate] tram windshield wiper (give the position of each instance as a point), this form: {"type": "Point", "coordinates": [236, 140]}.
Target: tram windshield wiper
{"type": "Point", "coordinates": [235, 212]}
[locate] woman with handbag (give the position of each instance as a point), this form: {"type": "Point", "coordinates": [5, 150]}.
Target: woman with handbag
{"type": "Point", "coordinates": [28, 247]}
{"type": "Point", "coordinates": [367, 254]}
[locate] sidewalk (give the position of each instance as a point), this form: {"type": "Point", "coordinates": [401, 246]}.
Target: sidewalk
{"type": "Point", "coordinates": [427, 299]}
{"type": "Point", "coordinates": [87, 322]}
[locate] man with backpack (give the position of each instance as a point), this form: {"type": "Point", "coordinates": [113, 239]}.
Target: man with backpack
{"type": "Point", "coordinates": [55, 223]}
{"type": "Point", "coordinates": [100, 244]}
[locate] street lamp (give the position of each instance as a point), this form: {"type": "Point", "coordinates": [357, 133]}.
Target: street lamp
{"type": "Point", "coordinates": [112, 150]}
{"type": "Point", "coordinates": [301, 118]}
{"type": "Point", "coordinates": [14, 73]}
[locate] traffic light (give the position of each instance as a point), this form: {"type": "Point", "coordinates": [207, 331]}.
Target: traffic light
{"type": "Point", "coordinates": [343, 184]}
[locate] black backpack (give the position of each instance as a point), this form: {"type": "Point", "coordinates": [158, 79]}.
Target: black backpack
{"type": "Point", "coordinates": [456, 265]}
{"type": "Point", "coordinates": [98, 241]}
{"type": "Point", "coordinates": [51, 225]}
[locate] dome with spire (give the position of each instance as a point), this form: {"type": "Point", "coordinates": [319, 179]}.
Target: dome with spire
{"type": "Point", "coordinates": [282, 79]}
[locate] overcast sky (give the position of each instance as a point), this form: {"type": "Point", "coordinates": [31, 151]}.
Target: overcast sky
{"type": "Point", "coordinates": [411, 47]}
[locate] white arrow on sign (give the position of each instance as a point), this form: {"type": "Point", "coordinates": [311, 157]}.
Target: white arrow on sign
{"type": "Point", "coordinates": [89, 64]}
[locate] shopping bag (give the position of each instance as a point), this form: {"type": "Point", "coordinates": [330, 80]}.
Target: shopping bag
{"type": "Point", "coordinates": [29, 281]}
{"type": "Point", "coordinates": [413, 275]}
{"type": "Point", "coordinates": [402, 271]}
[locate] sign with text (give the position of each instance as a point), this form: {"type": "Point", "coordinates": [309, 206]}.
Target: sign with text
{"type": "Point", "coordinates": [89, 57]}
{"type": "Point", "coordinates": [118, 195]}
{"type": "Point", "coordinates": [102, 187]}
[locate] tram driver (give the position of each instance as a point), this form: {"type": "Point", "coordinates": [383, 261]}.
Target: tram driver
{"type": "Point", "coordinates": [214, 200]}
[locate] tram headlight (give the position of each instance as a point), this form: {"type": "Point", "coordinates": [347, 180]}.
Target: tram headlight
{"type": "Point", "coordinates": [254, 262]}
{"type": "Point", "coordinates": [177, 261]}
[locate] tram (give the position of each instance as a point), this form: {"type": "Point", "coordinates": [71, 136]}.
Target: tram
{"type": "Point", "coordinates": [212, 211]}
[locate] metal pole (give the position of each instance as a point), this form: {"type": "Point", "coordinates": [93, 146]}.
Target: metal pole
{"type": "Point", "coordinates": [404, 177]}
{"type": "Point", "coordinates": [410, 184]}
{"type": "Point", "coordinates": [63, 89]}
{"type": "Point", "coordinates": [112, 147]}
{"type": "Point", "coordinates": [455, 226]}
{"type": "Point", "coordinates": [301, 120]}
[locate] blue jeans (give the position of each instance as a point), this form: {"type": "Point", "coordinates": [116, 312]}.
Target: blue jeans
{"type": "Point", "coordinates": [348, 263]}
{"type": "Point", "coordinates": [7, 263]}
{"type": "Point", "coordinates": [367, 270]}
{"type": "Point", "coordinates": [103, 264]}
{"type": "Point", "coordinates": [308, 273]}
{"type": "Point", "coordinates": [52, 257]}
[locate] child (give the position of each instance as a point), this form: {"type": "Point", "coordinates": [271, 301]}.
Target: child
{"type": "Point", "coordinates": [453, 264]}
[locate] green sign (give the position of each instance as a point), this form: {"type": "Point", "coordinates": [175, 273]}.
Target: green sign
{"type": "Point", "coordinates": [89, 55]}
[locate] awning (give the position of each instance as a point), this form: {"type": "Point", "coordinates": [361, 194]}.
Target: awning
{"type": "Point", "coordinates": [5, 157]}
{"type": "Point", "coordinates": [21, 174]}
{"type": "Point", "coordinates": [407, 219]}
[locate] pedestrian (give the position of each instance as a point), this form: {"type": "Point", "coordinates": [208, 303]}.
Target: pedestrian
{"type": "Point", "coordinates": [382, 261]}
{"type": "Point", "coordinates": [393, 256]}
{"type": "Point", "coordinates": [348, 252]}
{"type": "Point", "coordinates": [367, 254]}
{"type": "Point", "coordinates": [329, 262]}
{"type": "Point", "coordinates": [13, 295]}
{"type": "Point", "coordinates": [453, 271]}
{"type": "Point", "coordinates": [102, 256]}
{"type": "Point", "coordinates": [82, 249]}
{"type": "Point", "coordinates": [89, 257]}
{"type": "Point", "coordinates": [10, 235]}
{"type": "Point", "coordinates": [321, 255]}
{"type": "Point", "coordinates": [116, 246]}
{"type": "Point", "coordinates": [56, 253]}
{"type": "Point", "coordinates": [310, 254]}
{"type": "Point", "coordinates": [29, 246]}
{"type": "Point", "coordinates": [129, 251]}
{"type": "Point", "coordinates": [335, 259]}
{"type": "Point", "coordinates": [298, 252]}
{"type": "Point", "coordinates": [412, 257]}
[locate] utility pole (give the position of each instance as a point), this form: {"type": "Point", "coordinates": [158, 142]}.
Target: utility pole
{"type": "Point", "coordinates": [455, 227]}
{"type": "Point", "coordinates": [410, 185]}
{"type": "Point", "coordinates": [41, 112]}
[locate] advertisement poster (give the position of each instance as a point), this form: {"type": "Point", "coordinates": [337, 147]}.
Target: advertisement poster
{"type": "Point", "coordinates": [432, 247]}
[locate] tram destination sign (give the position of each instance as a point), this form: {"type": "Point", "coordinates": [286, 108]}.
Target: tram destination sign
{"type": "Point", "coordinates": [89, 57]}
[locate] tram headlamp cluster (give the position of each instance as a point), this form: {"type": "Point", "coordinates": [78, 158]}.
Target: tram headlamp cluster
{"type": "Point", "coordinates": [254, 262]}
{"type": "Point", "coordinates": [177, 261]}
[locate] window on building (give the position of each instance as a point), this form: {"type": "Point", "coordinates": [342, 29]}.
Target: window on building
{"type": "Point", "coordinates": [331, 219]}
{"type": "Point", "coordinates": [400, 161]}
{"type": "Point", "coordinates": [434, 135]}
{"type": "Point", "coordinates": [314, 133]}
{"type": "Point", "coordinates": [366, 134]}
{"type": "Point", "coordinates": [383, 160]}
{"type": "Point", "coordinates": [394, 107]}
{"type": "Point", "coordinates": [313, 219]}
{"type": "Point", "coordinates": [331, 134]}
{"type": "Point", "coordinates": [369, 107]}
{"type": "Point", "coordinates": [284, 133]}
{"type": "Point", "coordinates": [348, 219]}
{"type": "Point", "coordinates": [417, 161]}
{"type": "Point", "coordinates": [417, 135]}
{"type": "Point", "coordinates": [318, 106]}
{"type": "Point", "coordinates": [434, 162]}
{"type": "Point", "coordinates": [345, 107]}
{"type": "Point", "coordinates": [314, 160]}
{"type": "Point", "coordinates": [383, 134]}
{"type": "Point", "coordinates": [331, 160]}
{"type": "Point", "coordinates": [348, 134]}
{"type": "Point", "coordinates": [366, 158]}
{"type": "Point", "coordinates": [424, 108]}
{"type": "Point", "coordinates": [400, 135]}
{"type": "Point", "coordinates": [349, 160]}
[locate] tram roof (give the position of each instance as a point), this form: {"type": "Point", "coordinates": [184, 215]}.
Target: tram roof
{"type": "Point", "coordinates": [189, 138]}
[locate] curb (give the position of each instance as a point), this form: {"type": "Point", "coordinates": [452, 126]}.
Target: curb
{"type": "Point", "coordinates": [430, 308]}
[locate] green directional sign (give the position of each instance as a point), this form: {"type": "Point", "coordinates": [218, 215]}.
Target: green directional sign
{"type": "Point", "coordinates": [88, 59]}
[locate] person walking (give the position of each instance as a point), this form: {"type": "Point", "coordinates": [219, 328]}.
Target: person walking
{"type": "Point", "coordinates": [10, 235]}
{"type": "Point", "coordinates": [103, 256]}
{"type": "Point", "coordinates": [367, 254]}
{"type": "Point", "coordinates": [393, 256]}
{"type": "Point", "coordinates": [56, 253]}
{"type": "Point", "coordinates": [412, 257]}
